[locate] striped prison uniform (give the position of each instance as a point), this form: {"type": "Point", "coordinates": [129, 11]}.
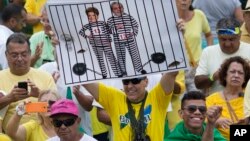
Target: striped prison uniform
{"type": "Point", "coordinates": [100, 41]}
{"type": "Point", "coordinates": [124, 30]}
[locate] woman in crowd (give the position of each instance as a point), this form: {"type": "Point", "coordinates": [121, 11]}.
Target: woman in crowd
{"type": "Point", "coordinates": [33, 130]}
{"type": "Point", "coordinates": [193, 23]}
{"type": "Point", "coordinates": [233, 75]}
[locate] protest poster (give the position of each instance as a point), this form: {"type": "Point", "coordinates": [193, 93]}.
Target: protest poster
{"type": "Point", "coordinates": [116, 39]}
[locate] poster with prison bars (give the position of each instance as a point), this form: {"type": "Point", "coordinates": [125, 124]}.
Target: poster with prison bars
{"type": "Point", "coordinates": [116, 39]}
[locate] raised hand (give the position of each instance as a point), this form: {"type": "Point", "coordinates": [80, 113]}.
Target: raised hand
{"type": "Point", "coordinates": [213, 114]}
{"type": "Point", "coordinates": [17, 94]}
{"type": "Point", "coordinates": [39, 50]}
{"type": "Point", "coordinates": [34, 90]}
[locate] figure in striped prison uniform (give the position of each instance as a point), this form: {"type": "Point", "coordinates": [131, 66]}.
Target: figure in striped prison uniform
{"type": "Point", "coordinates": [124, 29]}
{"type": "Point", "coordinates": [100, 40]}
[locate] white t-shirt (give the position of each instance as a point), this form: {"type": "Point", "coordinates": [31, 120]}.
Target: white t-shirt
{"type": "Point", "coordinates": [5, 33]}
{"type": "Point", "coordinates": [212, 57]}
{"type": "Point", "coordinates": [3, 111]}
{"type": "Point", "coordinates": [85, 137]}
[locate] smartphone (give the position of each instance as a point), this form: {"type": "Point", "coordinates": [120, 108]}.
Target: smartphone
{"type": "Point", "coordinates": [23, 85]}
{"type": "Point", "coordinates": [36, 107]}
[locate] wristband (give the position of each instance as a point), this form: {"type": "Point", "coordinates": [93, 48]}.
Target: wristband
{"type": "Point", "coordinates": [20, 110]}
{"type": "Point", "coordinates": [211, 78]}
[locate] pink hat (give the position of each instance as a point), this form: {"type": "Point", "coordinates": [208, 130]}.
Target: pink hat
{"type": "Point", "coordinates": [64, 106]}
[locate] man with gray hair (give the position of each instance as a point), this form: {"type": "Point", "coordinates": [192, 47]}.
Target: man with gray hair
{"type": "Point", "coordinates": [228, 31]}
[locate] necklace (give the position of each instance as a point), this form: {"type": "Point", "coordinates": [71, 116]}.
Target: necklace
{"type": "Point", "coordinates": [137, 125]}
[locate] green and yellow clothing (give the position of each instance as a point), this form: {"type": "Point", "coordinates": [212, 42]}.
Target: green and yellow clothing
{"type": "Point", "coordinates": [181, 133]}
{"type": "Point", "coordinates": [173, 116]}
{"type": "Point", "coordinates": [97, 126]}
{"type": "Point", "coordinates": [114, 102]}
{"type": "Point", "coordinates": [34, 131]}
{"type": "Point", "coordinates": [41, 79]}
{"type": "Point", "coordinates": [193, 33]}
{"type": "Point", "coordinates": [48, 49]}
{"type": "Point", "coordinates": [34, 7]}
{"type": "Point", "coordinates": [236, 104]}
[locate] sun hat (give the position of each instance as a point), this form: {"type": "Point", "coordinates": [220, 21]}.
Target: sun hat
{"type": "Point", "coordinates": [64, 106]}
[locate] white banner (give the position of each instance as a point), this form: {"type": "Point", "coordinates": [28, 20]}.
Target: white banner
{"type": "Point", "coordinates": [136, 37]}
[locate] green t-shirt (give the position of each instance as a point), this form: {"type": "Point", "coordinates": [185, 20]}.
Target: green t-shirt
{"type": "Point", "coordinates": [180, 133]}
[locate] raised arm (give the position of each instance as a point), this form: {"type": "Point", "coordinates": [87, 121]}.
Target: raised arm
{"type": "Point", "coordinates": [202, 81]}
{"type": "Point", "coordinates": [103, 116]}
{"type": "Point", "coordinates": [168, 81]}
{"type": "Point", "coordinates": [84, 100]}
{"type": "Point", "coordinates": [14, 130]}
{"type": "Point", "coordinates": [209, 38]}
{"type": "Point", "coordinates": [37, 54]}
{"type": "Point", "coordinates": [213, 113]}
{"type": "Point", "coordinates": [205, 81]}
{"type": "Point", "coordinates": [93, 89]}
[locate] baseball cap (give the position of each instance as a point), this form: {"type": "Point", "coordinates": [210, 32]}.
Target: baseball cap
{"type": "Point", "coordinates": [64, 106]}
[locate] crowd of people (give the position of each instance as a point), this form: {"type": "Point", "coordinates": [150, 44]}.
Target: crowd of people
{"type": "Point", "coordinates": [196, 104]}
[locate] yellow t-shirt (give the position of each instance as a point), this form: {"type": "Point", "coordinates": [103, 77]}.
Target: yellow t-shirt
{"type": "Point", "coordinates": [34, 7]}
{"type": "Point", "coordinates": [97, 126]}
{"type": "Point", "coordinates": [237, 105]}
{"type": "Point", "coordinates": [173, 116]}
{"type": "Point", "coordinates": [34, 131]}
{"type": "Point", "coordinates": [193, 33]}
{"type": "Point", "coordinates": [41, 79]}
{"type": "Point", "coordinates": [114, 102]}
{"type": "Point", "coordinates": [4, 137]}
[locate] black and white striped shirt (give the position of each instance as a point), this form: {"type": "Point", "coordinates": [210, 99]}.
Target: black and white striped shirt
{"type": "Point", "coordinates": [97, 33]}
{"type": "Point", "coordinates": [124, 28]}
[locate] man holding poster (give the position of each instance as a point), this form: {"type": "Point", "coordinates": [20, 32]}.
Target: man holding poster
{"type": "Point", "coordinates": [136, 115]}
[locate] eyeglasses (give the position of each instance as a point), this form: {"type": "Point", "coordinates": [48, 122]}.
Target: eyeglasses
{"type": "Point", "coordinates": [15, 56]}
{"type": "Point", "coordinates": [133, 81]}
{"type": "Point", "coordinates": [67, 122]}
{"type": "Point", "coordinates": [193, 108]}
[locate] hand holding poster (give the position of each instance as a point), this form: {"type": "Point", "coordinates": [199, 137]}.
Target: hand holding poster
{"type": "Point", "coordinates": [106, 39]}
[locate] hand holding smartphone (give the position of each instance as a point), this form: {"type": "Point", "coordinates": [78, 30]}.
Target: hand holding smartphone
{"type": "Point", "coordinates": [23, 85]}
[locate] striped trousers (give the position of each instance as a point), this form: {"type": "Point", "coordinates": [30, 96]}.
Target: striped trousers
{"type": "Point", "coordinates": [107, 50]}
{"type": "Point", "coordinates": [133, 52]}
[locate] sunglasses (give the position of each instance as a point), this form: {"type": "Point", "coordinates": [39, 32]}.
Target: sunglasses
{"type": "Point", "coordinates": [133, 81]}
{"type": "Point", "coordinates": [193, 108]}
{"type": "Point", "coordinates": [67, 122]}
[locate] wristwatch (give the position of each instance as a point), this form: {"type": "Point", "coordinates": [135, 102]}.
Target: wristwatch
{"type": "Point", "coordinates": [20, 110]}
